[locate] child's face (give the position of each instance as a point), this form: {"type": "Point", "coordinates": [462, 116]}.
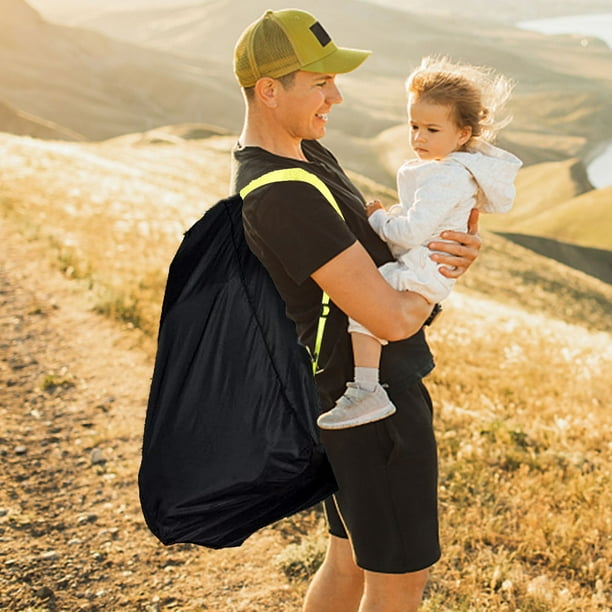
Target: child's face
{"type": "Point", "coordinates": [433, 132]}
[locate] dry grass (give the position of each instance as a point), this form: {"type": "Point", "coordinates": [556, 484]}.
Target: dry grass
{"type": "Point", "coordinates": [511, 274]}
{"type": "Point", "coordinates": [522, 385]}
{"type": "Point", "coordinates": [583, 220]}
{"type": "Point", "coordinates": [525, 428]}
{"type": "Point", "coordinates": [568, 210]}
{"type": "Point", "coordinates": [114, 213]}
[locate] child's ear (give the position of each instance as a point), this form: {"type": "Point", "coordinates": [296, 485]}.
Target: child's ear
{"type": "Point", "coordinates": [465, 134]}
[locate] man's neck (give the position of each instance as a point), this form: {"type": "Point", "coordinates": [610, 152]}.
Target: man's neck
{"type": "Point", "coordinates": [267, 138]}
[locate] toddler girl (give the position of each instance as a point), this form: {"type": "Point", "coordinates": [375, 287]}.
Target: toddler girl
{"type": "Point", "coordinates": [451, 112]}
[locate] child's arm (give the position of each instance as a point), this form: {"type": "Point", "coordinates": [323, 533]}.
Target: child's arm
{"type": "Point", "coordinates": [373, 206]}
{"type": "Point", "coordinates": [424, 217]}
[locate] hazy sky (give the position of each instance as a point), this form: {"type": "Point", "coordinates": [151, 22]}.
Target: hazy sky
{"type": "Point", "coordinates": [77, 8]}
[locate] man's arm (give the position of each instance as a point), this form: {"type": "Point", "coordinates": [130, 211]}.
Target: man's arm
{"type": "Point", "coordinates": [355, 285]}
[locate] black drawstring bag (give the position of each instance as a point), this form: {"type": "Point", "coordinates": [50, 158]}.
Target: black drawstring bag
{"type": "Point", "coordinates": [230, 438]}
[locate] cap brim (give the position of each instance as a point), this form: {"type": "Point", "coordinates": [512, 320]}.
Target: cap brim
{"type": "Point", "coordinates": [340, 61]}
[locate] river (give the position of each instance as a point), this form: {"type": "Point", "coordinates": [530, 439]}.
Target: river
{"type": "Point", "coordinates": [599, 169]}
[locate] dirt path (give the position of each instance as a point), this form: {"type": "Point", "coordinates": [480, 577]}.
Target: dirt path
{"type": "Point", "coordinates": [73, 390]}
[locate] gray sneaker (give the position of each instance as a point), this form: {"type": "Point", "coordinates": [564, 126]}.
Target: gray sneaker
{"type": "Point", "coordinates": [357, 407]}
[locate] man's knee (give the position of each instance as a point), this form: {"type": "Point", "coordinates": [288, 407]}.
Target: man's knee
{"type": "Point", "coordinates": [340, 559]}
{"type": "Point", "coordinates": [395, 591]}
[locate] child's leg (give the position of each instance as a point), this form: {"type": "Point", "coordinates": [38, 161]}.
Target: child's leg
{"type": "Point", "coordinates": [366, 350]}
{"type": "Point", "coordinates": [365, 400]}
{"type": "Point", "coordinates": [366, 357]}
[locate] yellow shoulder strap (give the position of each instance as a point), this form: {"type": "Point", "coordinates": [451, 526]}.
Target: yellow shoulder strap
{"type": "Point", "coordinates": [299, 174]}
{"type": "Point", "coordinates": [292, 174]}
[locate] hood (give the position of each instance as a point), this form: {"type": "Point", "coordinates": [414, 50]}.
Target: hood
{"type": "Point", "coordinates": [494, 170]}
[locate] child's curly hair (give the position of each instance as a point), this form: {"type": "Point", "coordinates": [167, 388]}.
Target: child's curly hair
{"type": "Point", "coordinates": [476, 94]}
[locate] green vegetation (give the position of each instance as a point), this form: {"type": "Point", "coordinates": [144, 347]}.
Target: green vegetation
{"type": "Point", "coordinates": [51, 382]}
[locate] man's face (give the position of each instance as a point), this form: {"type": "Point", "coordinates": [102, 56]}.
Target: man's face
{"type": "Point", "coordinates": [303, 107]}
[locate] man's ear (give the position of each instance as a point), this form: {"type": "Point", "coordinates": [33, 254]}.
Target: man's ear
{"type": "Point", "coordinates": [266, 90]}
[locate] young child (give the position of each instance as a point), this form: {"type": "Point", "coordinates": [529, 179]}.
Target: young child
{"type": "Point", "coordinates": [451, 109]}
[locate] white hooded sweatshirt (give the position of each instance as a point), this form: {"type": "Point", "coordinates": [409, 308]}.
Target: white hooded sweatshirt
{"type": "Point", "coordinates": [437, 196]}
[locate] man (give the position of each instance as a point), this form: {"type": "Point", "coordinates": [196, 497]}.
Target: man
{"type": "Point", "coordinates": [383, 520]}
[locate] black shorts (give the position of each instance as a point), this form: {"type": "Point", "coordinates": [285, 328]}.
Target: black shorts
{"type": "Point", "coordinates": [387, 474]}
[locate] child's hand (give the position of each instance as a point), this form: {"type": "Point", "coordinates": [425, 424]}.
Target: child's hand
{"type": "Point", "coordinates": [373, 206]}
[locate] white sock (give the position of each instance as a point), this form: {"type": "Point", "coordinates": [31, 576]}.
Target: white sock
{"type": "Point", "coordinates": [366, 378]}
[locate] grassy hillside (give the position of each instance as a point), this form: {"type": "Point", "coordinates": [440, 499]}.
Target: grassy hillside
{"type": "Point", "coordinates": [556, 200]}
{"type": "Point", "coordinates": [100, 87]}
{"type": "Point", "coordinates": [22, 123]}
{"type": "Point", "coordinates": [132, 197]}
{"type": "Point", "coordinates": [585, 220]}
{"type": "Point", "coordinates": [148, 188]}
{"type": "Point", "coordinates": [559, 215]}
{"type": "Point", "coordinates": [520, 389]}
{"type": "Point", "coordinates": [563, 180]}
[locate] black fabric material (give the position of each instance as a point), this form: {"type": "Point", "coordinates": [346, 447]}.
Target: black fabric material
{"type": "Point", "coordinates": [388, 472]}
{"type": "Point", "coordinates": [230, 439]}
{"type": "Point", "coordinates": [293, 230]}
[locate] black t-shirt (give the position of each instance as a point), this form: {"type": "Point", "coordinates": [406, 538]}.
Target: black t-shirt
{"type": "Point", "coordinates": [294, 230]}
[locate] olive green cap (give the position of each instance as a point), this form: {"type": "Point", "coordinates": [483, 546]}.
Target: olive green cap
{"type": "Point", "coordinates": [281, 42]}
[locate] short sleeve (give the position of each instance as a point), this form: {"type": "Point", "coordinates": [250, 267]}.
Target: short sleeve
{"type": "Point", "coordinates": [295, 225]}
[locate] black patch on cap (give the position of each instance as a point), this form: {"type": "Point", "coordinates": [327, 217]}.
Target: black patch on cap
{"type": "Point", "coordinates": [321, 35]}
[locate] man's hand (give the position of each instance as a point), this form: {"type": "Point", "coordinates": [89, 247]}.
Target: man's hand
{"type": "Point", "coordinates": [373, 206]}
{"type": "Point", "coordinates": [462, 251]}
